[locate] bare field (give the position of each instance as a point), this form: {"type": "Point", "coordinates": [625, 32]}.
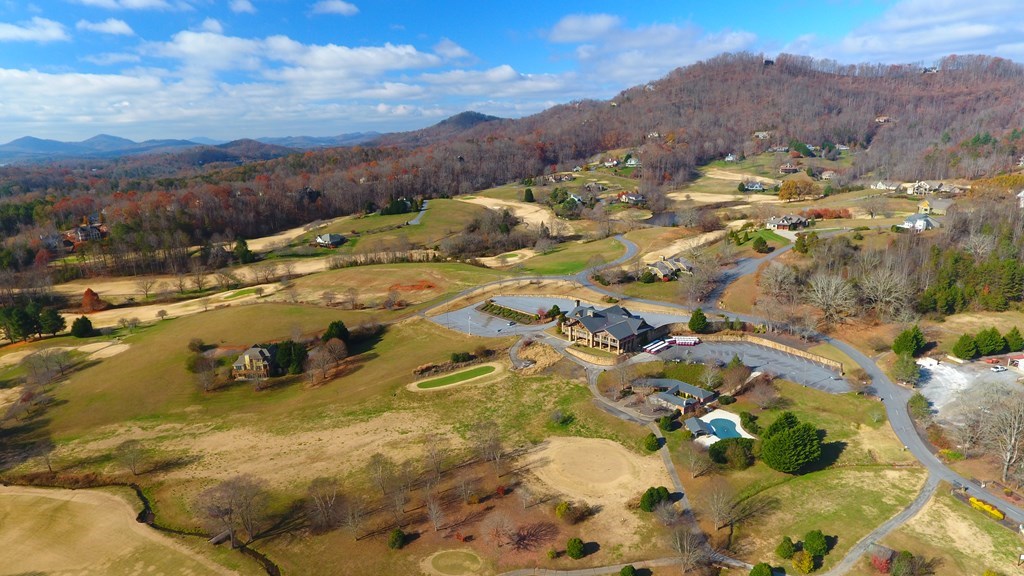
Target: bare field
{"type": "Point", "coordinates": [87, 532]}
{"type": "Point", "coordinates": [532, 214]}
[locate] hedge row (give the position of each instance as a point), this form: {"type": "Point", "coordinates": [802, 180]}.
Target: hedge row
{"type": "Point", "coordinates": [986, 507]}
{"type": "Point", "coordinates": [503, 312]}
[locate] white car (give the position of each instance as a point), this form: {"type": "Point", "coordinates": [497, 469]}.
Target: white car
{"type": "Point", "coordinates": [998, 368]}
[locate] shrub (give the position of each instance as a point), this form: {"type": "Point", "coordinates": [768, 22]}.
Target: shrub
{"type": "Point", "coordinates": [81, 327]}
{"type": "Point", "coordinates": [815, 544]}
{"type": "Point", "coordinates": [195, 345]}
{"type": "Point", "coordinates": [803, 562]}
{"type": "Point", "coordinates": [761, 245]}
{"type": "Point", "coordinates": [651, 443]}
{"type": "Point", "coordinates": [336, 329]}
{"type": "Point", "coordinates": [737, 453]}
{"type": "Point", "coordinates": [725, 400]}
{"type": "Point", "coordinates": [762, 569]}
{"type": "Point", "coordinates": [749, 423]}
{"type": "Point", "coordinates": [919, 406]}
{"type": "Point", "coordinates": [396, 539]}
{"type": "Point", "coordinates": [987, 508]}
{"type": "Point", "coordinates": [647, 277]}
{"type": "Point", "coordinates": [560, 418]}
{"type": "Point", "coordinates": [652, 497]}
{"type": "Point", "coordinates": [552, 554]}
{"type": "Point", "coordinates": [881, 565]}
{"type": "Point", "coordinates": [574, 548]}
{"type": "Point", "coordinates": [458, 357]}
{"type": "Point", "coordinates": [665, 423]}
{"type": "Point", "coordinates": [627, 570]}
{"type": "Point", "coordinates": [562, 508]}
{"type": "Point", "coordinates": [786, 548]}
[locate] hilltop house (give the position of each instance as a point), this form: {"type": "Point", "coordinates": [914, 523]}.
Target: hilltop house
{"type": "Point", "coordinates": [789, 168]}
{"type": "Point", "coordinates": [885, 185]}
{"type": "Point", "coordinates": [676, 395]}
{"type": "Point", "coordinates": [937, 206]}
{"type": "Point", "coordinates": [329, 240]}
{"type": "Point", "coordinates": [669, 268]}
{"type": "Point", "coordinates": [753, 186]}
{"type": "Point", "coordinates": [920, 223]}
{"type": "Point", "coordinates": [256, 362]}
{"type": "Point", "coordinates": [787, 222]}
{"type": "Point", "coordinates": [614, 328]}
{"type": "Point", "coordinates": [924, 187]}
{"type": "Point", "coordinates": [633, 162]}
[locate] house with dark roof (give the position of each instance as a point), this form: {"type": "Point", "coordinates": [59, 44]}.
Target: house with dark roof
{"type": "Point", "coordinates": [614, 328]}
{"type": "Point", "coordinates": [788, 222]}
{"type": "Point", "coordinates": [698, 427]}
{"type": "Point", "coordinates": [669, 268]}
{"type": "Point", "coordinates": [256, 362]}
{"type": "Point", "coordinates": [677, 394]}
{"type": "Point", "coordinates": [937, 206]}
{"type": "Point", "coordinates": [329, 240]}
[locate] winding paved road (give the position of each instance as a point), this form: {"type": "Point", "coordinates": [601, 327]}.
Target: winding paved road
{"type": "Point", "coordinates": [894, 398]}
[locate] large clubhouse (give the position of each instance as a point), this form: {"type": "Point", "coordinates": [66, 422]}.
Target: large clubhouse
{"type": "Point", "coordinates": [614, 329]}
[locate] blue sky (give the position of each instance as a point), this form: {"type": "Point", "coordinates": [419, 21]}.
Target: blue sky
{"type": "Point", "coordinates": [70, 69]}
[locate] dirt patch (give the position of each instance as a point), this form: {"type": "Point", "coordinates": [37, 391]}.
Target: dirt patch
{"type": "Point", "coordinates": [541, 354]}
{"type": "Point", "coordinates": [8, 396]}
{"type": "Point", "coordinates": [683, 245]}
{"type": "Point", "coordinates": [499, 370]}
{"type": "Point", "coordinates": [87, 532]}
{"type": "Point", "coordinates": [719, 174]}
{"type": "Point", "coordinates": [599, 472]}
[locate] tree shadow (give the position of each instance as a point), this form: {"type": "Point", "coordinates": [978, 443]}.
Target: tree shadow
{"type": "Point", "coordinates": [831, 542]}
{"type": "Point", "coordinates": [25, 440]}
{"type": "Point", "coordinates": [754, 507]}
{"type": "Point", "coordinates": [293, 519]}
{"type": "Point", "coordinates": [590, 548]}
{"type": "Point", "coordinates": [533, 536]}
{"type": "Point", "coordinates": [172, 463]}
{"type": "Point", "coordinates": [830, 453]}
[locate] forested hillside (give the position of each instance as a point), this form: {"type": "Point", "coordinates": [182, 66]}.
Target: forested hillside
{"type": "Point", "coordinates": [963, 120]}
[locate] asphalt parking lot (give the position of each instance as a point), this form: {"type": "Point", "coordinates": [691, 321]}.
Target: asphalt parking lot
{"type": "Point", "coordinates": [761, 359]}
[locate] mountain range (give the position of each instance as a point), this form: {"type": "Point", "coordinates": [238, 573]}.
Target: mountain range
{"type": "Point", "coordinates": [31, 149]}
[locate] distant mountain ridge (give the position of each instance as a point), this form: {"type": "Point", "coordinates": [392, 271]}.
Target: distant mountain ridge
{"type": "Point", "coordinates": [32, 149]}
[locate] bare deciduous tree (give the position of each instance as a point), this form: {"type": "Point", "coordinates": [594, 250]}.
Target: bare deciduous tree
{"type": "Point", "coordinates": [323, 504]}
{"type": "Point", "coordinates": [381, 470]}
{"type": "Point", "coordinates": [833, 295]}
{"type": "Point", "coordinates": [335, 349]}
{"type": "Point", "coordinates": [435, 449]}
{"type": "Point", "coordinates": [353, 514]}
{"type": "Point", "coordinates": [887, 291]}
{"type": "Point", "coordinates": [721, 503]}
{"type": "Point", "coordinates": [435, 511]}
{"type": "Point", "coordinates": [690, 546]}
{"type": "Point", "coordinates": [236, 505]}
{"type": "Point", "coordinates": [779, 282]}
{"type": "Point", "coordinates": [145, 285]}
{"type": "Point", "coordinates": [699, 462]}
{"type": "Point", "coordinates": [328, 297]}
{"type": "Point", "coordinates": [131, 454]}
{"type": "Point", "coordinates": [1005, 428]}
{"type": "Point", "coordinates": [486, 439]}
{"type": "Point", "coordinates": [764, 395]}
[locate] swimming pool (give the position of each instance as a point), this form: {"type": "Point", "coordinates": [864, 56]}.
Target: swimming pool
{"type": "Point", "coordinates": [724, 428]}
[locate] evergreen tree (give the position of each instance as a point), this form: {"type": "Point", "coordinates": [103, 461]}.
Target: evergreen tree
{"type": "Point", "coordinates": [910, 341]}
{"type": "Point", "coordinates": [786, 421]}
{"type": "Point", "coordinates": [1014, 341]}
{"type": "Point", "coordinates": [761, 245]}
{"type": "Point", "coordinates": [336, 329]}
{"type": "Point", "coordinates": [790, 450]}
{"type": "Point", "coordinates": [762, 569]}
{"type": "Point", "coordinates": [81, 327]}
{"type": "Point", "coordinates": [698, 322]}
{"type": "Point", "coordinates": [815, 543]}
{"type": "Point", "coordinates": [242, 252]}
{"type": "Point", "coordinates": [51, 322]}
{"type": "Point", "coordinates": [965, 348]}
{"type": "Point", "coordinates": [528, 195]}
{"type": "Point", "coordinates": [906, 370]}
{"type": "Point", "coordinates": [990, 342]}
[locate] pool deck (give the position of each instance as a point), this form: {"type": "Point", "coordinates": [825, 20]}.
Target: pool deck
{"type": "Point", "coordinates": [725, 415]}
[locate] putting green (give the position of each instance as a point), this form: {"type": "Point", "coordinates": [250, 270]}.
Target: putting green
{"type": "Point", "coordinates": [456, 563]}
{"type": "Point", "coordinates": [456, 377]}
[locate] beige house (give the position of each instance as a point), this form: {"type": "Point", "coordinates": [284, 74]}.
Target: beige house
{"type": "Point", "coordinates": [253, 363]}
{"type": "Point", "coordinates": [614, 329]}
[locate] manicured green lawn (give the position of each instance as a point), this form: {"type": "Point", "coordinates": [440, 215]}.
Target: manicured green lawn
{"type": "Point", "coordinates": [240, 293]}
{"type": "Point", "coordinates": [573, 257]}
{"type": "Point", "coordinates": [456, 377]}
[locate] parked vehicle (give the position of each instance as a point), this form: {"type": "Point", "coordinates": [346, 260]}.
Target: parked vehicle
{"type": "Point", "coordinates": [998, 368]}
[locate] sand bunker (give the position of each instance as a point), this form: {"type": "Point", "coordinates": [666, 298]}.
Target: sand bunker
{"type": "Point", "coordinates": [683, 245]}
{"type": "Point", "coordinates": [599, 472]}
{"type": "Point", "coordinates": [508, 258]}
{"type": "Point", "coordinates": [719, 174]}
{"type": "Point", "coordinates": [532, 214]}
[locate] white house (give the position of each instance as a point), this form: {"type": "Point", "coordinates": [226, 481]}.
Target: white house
{"type": "Point", "coordinates": [730, 158]}
{"type": "Point", "coordinates": [1020, 198]}
{"type": "Point", "coordinates": [885, 185]}
{"type": "Point", "coordinates": [762, 135]}
{"type": "Point", "coordinates": [329, 240]}
{"type": "Point", "coordinates": [633, 162]}
{"type": "Point", "coordinates": [920, 223]}
{"type": "Point", "coordinates": [753, 186]}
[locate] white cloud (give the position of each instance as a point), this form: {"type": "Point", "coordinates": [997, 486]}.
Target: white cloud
{"type": "Point", "coordinates": [211, 25]}
{"type": "Point", "coordinates": [450, 50]}
{"type": "Point", "coordinates": [131, 4]}
{"type": "Point", "coordinates": [35, 30]}
{"type": "Point", "coordinates": [335, 7]}
{"type": "Point", "coordinates": [929, 29]}
{"type": "Point", "coordinates": [108, 26]}
{"type": "Point", "coordinates": [196, 51]}
{"type": "Point", "coordinates": [583, 27]}
{"type": "Point", "coordinates": [109, 58]}
{"type": "Point", "coordinates": [242, 7]}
